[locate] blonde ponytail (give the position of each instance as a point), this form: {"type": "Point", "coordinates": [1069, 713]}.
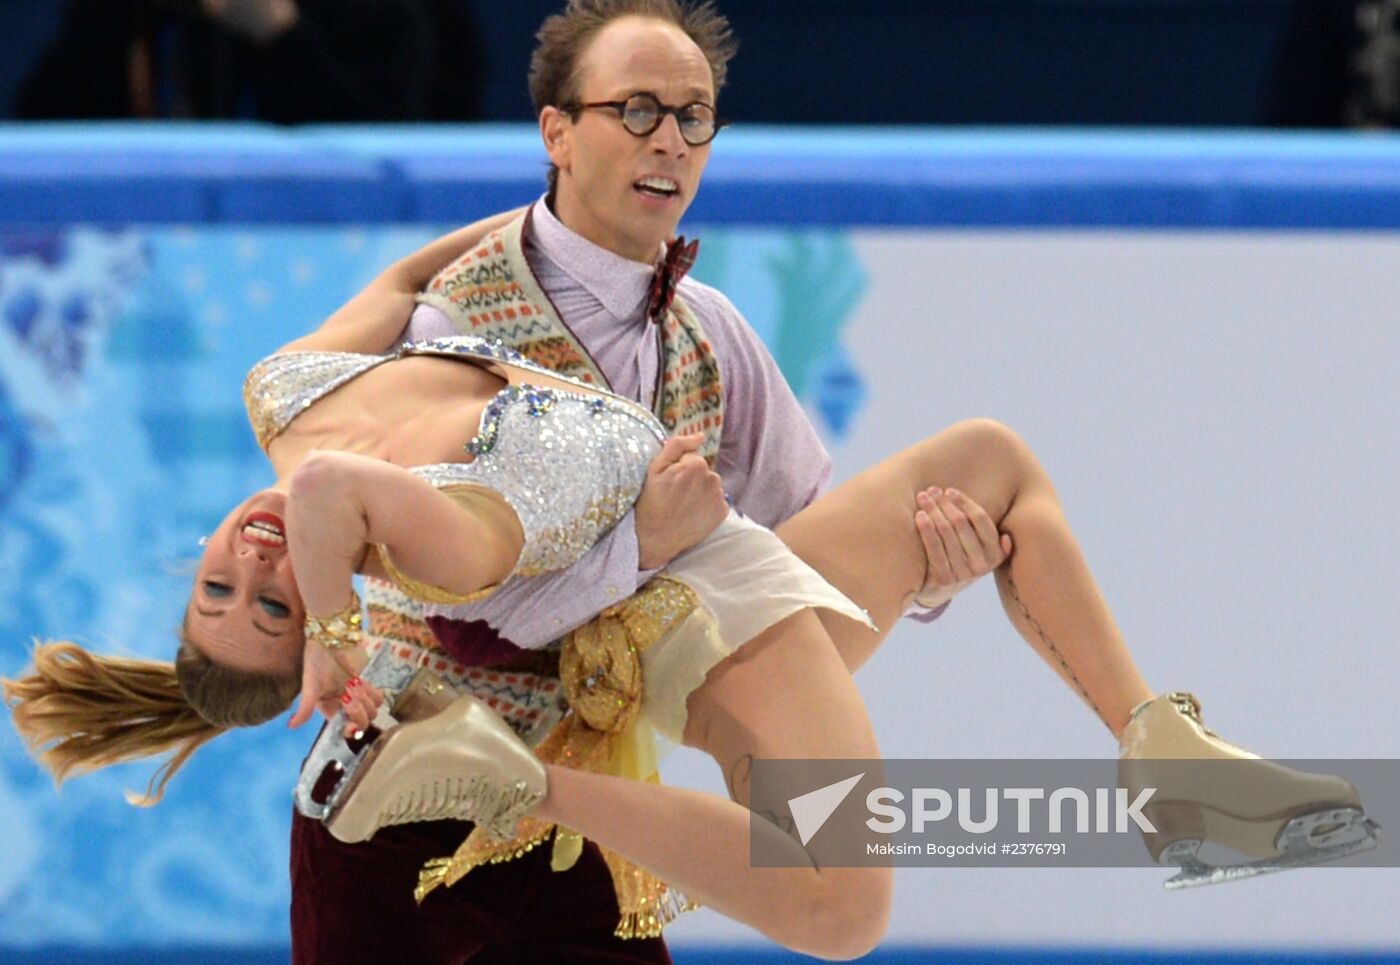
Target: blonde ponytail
{"type": "Point", "coordinates": [79, 711]}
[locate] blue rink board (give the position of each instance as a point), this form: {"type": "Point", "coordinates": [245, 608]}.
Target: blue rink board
{"type": "Point", "coordinates": [176, 174]}
{"type": "Point", "coordinates": [906, 955]}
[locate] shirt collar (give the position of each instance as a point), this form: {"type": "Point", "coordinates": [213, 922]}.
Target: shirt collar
{"type": "Point", "coordinates": [622, 285]}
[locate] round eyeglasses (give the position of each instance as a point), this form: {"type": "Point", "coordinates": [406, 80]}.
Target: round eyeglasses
{"type": "Point", "coordinates": [642, 114]}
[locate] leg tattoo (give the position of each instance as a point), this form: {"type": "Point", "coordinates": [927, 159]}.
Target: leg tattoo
{"type": "Point", "coordinates": [738, 779]}
{"type": "Point", "coordinates": [1050, 645]}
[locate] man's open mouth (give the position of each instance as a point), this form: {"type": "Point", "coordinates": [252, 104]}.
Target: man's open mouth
{"type": "Point", "coordinates": [657, 187]}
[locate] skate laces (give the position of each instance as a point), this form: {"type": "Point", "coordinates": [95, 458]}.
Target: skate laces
{"type": "Point", "coordinates": [460, 798]}
{"type": "Point", "coordinates": [463, 799]}
{"type": "Point", "coordinates": [1188, 706]}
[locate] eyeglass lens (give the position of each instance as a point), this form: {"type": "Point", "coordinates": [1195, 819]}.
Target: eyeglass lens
{"type": "Point", "coordinates": [642, 115]}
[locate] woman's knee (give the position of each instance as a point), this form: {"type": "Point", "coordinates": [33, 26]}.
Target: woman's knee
{"type": "Point", "coordinates": [993, 439]}
{"type": "Point", "coordinates": [988, 446]}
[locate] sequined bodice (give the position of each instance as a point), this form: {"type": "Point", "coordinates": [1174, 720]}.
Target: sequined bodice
{"type": "Point", "coordinates": [570, 463]}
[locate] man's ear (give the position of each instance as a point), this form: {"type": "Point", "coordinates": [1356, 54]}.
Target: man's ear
{"type": "Point", "coordinates": [554, 130]}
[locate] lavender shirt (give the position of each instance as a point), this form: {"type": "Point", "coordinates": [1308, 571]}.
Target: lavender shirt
{"type": "Point", "coordinates": [771, 461]}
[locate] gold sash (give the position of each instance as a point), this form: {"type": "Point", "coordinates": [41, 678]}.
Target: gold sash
{"type": "Point", "coordinates": [600, 666]}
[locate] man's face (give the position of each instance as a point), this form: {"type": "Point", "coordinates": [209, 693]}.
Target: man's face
{"type": "Point", "coordinates": [623, 192]}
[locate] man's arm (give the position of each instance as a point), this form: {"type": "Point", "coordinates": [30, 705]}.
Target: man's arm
{"type": "Point", "coordinates": [681, 503]}
{"type": "Point", "coordinates": [774, 464]}
{"type": "Point", "coordinates": [532, 612]}
{"type": "Point", "coordinates": [788, 463]}
{"type": "Point", "coordinates": [771, 459]}
{"type": "Point", "coordinates": [374, 319]}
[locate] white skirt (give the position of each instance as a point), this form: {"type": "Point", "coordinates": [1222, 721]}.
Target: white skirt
{"type": "Point", "coordinates": [747, 580]}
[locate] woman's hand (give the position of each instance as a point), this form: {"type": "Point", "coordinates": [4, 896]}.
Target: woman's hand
{"type": "Point", "coordinates": [330, 682]}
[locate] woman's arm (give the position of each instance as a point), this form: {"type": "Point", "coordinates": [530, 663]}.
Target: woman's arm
{"type": "Point", "coordinates": [372, 320]}
{"type": "Point", "coordinates": [341, 503]}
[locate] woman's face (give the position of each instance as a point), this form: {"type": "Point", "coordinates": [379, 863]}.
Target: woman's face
{"type": "Point", "coordinates": [245, 611]}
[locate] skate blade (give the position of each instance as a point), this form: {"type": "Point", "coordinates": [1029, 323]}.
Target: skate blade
{"type": "Point", "coordinates": [333, 759]}
{"type": "Point", "coordinates": [1306, 840]}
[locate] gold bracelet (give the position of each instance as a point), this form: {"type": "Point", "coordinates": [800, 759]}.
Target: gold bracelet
{"type": "Point", "coordinates": [338, 631]}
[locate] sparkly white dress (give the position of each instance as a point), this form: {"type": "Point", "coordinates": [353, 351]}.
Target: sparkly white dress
{"type": "Point", "coordinates": [571, 462]}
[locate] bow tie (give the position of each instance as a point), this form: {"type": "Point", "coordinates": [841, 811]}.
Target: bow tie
{"type": "Point", "coordinates": [680, 257]}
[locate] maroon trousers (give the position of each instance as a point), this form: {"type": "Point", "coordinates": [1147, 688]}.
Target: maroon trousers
{"type": "Point", "coordinates": [354, 903]}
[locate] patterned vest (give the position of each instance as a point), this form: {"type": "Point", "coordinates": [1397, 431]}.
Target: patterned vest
{"type": "Point", "coordinates": [492, 292]}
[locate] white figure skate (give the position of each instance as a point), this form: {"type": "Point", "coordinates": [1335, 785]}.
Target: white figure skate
{"type": "Point", "coordinates": [1210, 791]}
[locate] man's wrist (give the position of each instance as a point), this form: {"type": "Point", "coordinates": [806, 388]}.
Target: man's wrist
{"type": "Point", "coordinates": [649, 561]}
{"type": "Point", "coordinates": [651, 550]}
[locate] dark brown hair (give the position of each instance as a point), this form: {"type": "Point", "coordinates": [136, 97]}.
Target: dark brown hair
{"type": "Point", "coordinates": [563, 37]}
{"type": "Point", "coordinates": [227, 697]}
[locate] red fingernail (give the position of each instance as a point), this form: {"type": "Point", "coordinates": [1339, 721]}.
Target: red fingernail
{"type": "Point", "coordinates": [345, 698]}
{"type": "Point", "coordinates": [354, 682]}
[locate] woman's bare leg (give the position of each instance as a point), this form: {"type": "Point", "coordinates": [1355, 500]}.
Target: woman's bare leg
{"type": "Point", "coordinates": [786, 695]}
{"type": "Point", "coordinates": [861, 536]}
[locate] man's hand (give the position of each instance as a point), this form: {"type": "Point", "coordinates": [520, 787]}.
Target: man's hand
{"type": "Point", "coordinates": [261, 21]}
{"type": "Point", "coordinates": [682, 502]}
{"type": "Point", "coordinates": [960, 541]}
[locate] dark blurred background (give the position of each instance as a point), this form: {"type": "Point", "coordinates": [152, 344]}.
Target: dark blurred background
{"type": "Point", "coordinates": [1286, 63]}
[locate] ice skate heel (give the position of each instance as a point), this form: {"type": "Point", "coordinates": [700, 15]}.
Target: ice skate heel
{"type": "Point", "coordinates": [1209, 790]}
{"type": "Point", "coordinates": [463, 763]}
